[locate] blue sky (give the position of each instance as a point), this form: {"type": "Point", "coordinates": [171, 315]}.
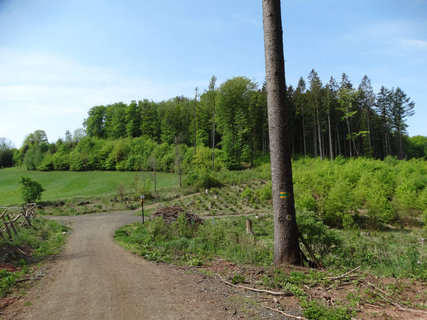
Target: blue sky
{"type": "Point", "coordinates": [60, 58]}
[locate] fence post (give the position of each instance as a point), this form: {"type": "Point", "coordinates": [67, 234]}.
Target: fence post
{"type": "Point", "coordinates": [11, 224]}
{"type": "Point", "coordinates": [7, 228]}
{"type": "Point", "coordinates": [25, 215]}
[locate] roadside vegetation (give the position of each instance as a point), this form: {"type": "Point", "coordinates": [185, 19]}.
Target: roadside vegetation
{"type": "Point", "coordinates": [361, 214]}
{"type": "Point", "coordinates": [23, 255]}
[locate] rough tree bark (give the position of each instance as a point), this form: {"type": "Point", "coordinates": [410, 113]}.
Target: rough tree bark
{"type": "Point", "coordinates": [286, 244]}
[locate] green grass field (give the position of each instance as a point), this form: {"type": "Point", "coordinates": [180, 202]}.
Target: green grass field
{"type": "Point", "coordinates": [64, 185]}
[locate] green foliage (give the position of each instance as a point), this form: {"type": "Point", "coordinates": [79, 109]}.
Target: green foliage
{"type": "Point", "coordinates": [238, 278]}
{"type": "Point", "coordinates": [247, 194]}
{"type": "Point", "coordinates": [34, 156]}
{"type": "Point", "coordinates": [265, 193]}
{"type": "Point", "coordinates": [321, 239]}
{"type": "Point", "coordinates": [417, 147]}
{"type": "Point", "coordinates": [7, 281]}
{"type": "Point", "coordinates": [31, 190]}
{"type": "Point", "coordinates": [6, 153]}
{"type": "Point", "coordinates": [202, 179]}
{"type": "Point", "coordinates": [258, 195]}
{"type": "Point", "coordinates": [317, 310]}
{"type": "Point", "coordinates": [377, 191]}
{"type": "Point", "coordinates": [381, 253]}
{"type": "Point", "coordinates": [313, 309]}
{"type": "Point", "coordinates": [236, 98]}
{"type": "Point", "coordinates": [45, 239]}
{"type": "Point", "coordinates": [182, 242]}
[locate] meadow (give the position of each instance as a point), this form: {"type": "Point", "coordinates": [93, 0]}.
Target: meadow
{"type": "Point", "coordinates": [68, 185]}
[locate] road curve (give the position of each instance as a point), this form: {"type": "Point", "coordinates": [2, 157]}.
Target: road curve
{"type": "Point", "coordinates": [94, 278]}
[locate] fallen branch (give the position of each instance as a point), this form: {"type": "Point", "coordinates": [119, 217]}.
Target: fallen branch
{"type": "Point", "coordinates": [22, 252]}
{"type": "Point", "coordinates": [384, 295]}
{"type": "Point", "coordinates": [344, 275]}
{"type": "Point", "coordinates": [286, 314]}
{"type": "Point", "coordinates": [274, 293]}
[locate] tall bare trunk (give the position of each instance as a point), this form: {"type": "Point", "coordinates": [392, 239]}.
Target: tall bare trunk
{"type": "Point", "coordinates": [319, 134]}
{"type": "Point", "coordinates": [368, 125]}
{"type": "Point", "coordinates": [213, 139]}
{"type": "Point", "coordinates": [303, 137]}
{"type": "Point", "coordinates": [314, 139]}
{"type": "Point", "coordinates": [286, 245]}
{"type": "Point", "coordinates": [347, 121]}
{"type": "Point", "coordinates": [331, 152]}
{"type": "Point", "coordinates": [195, 119]}
{"type": "Point", "coordinates": [338, 141]}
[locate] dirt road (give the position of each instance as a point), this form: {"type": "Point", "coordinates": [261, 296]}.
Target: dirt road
{"type": "Point", "coordinates": [94, 278]}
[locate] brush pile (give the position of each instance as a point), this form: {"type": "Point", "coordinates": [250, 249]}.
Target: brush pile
{"type": "Point", "coordinates": [170, 215]}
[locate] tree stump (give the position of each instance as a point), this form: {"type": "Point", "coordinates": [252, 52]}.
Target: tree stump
{"type": "Point", "coordinates": [249, 229]}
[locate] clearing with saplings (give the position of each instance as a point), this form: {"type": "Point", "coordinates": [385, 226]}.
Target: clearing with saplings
{"type": "Point", "coordinates": [361, 219]}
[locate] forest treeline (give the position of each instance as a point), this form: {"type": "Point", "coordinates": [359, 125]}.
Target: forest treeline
{"type": "Point", "coordinates": [227, 126]}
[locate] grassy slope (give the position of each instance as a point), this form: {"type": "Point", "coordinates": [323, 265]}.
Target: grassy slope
{"type": "Point", "coordinates": [67, 184]}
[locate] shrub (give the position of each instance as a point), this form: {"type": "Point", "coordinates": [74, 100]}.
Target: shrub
{"type": "Point", "coordinates": [202, 179]}
{"type": "Point", "coordinates": [340, 199]}
{"type": "Point", "coordinates": [47, 163]}
{"type": "Point", "coordinates": [265, 193]}
{"type": "Point", "coordinates": [31, 190]}
{"type": "Point", "coordinates": [322, 239]}
{"type": "Point", "coordinates": [247, 194]}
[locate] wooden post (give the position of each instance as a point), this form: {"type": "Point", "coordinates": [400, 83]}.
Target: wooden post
{"type": "Point", "coordinates": [26, 215]}
{"type": "Point", "coordinates": [7, 228]}
{"type": "Point", "coordinates": [30, 210]}
{"type": "Point", "coordinates": [249, 229]}
{"type": "Point", "coordinates": [11, 224]}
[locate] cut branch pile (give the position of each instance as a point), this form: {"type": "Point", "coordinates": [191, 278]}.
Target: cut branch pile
{"type": "Point", "coordinates": [170, 215]}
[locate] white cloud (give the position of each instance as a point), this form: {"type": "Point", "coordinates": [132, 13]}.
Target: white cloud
{"type": "Point", "coordinates": [54, 93]}
{"type": "Point", "coordinates": [414, 44]}
{"type": "Point", "coordinates": [246, 20]}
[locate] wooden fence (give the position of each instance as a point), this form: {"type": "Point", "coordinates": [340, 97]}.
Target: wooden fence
{"type": "Point", "coordinates": [10, 223]}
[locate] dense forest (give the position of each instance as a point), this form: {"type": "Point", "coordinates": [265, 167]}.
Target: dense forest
{"type": "Point", "coordinates": [227, 127]}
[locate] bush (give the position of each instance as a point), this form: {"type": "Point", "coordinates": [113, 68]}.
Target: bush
{"type": "Point", "coordinates": [31, 190]}
{"type": "Point", "coordinates": [322, 239]}
{"type": "Point", "coordinates": [265, 193]}
{"type": "Point", "coordinates": [202, 179]}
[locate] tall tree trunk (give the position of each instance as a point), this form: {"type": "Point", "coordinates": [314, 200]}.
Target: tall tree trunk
{"type": "Point", "coordinates": [387, 143]}
{"type": "Point", "coordinates": [286, 245]}
{"type": "Point", "coordinates": [347, 121]}
{"type": "Point", "coordinates": [338, 140]}
{"type": "Point", "coordinates": [314, 139]}
{"type": "Point", "coordinates": [303, 137]}
{"type": "Point", "coordinates": [331, 152]}
{"type": "Point", "coordinates": [319, 134]}
{"type": "Point", "coordinates": [213, 139]}
{"type": "Point", "coordinates": [195, 118]}
{"type": "Point", "coordinates": [368, 126]}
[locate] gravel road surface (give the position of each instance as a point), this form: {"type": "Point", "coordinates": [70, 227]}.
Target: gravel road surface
{"type": "Point", "coordinates": [94, 278]}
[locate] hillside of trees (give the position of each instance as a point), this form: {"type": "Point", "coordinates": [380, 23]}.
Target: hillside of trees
{"type": "Point", "coordinates": [226, 127]}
